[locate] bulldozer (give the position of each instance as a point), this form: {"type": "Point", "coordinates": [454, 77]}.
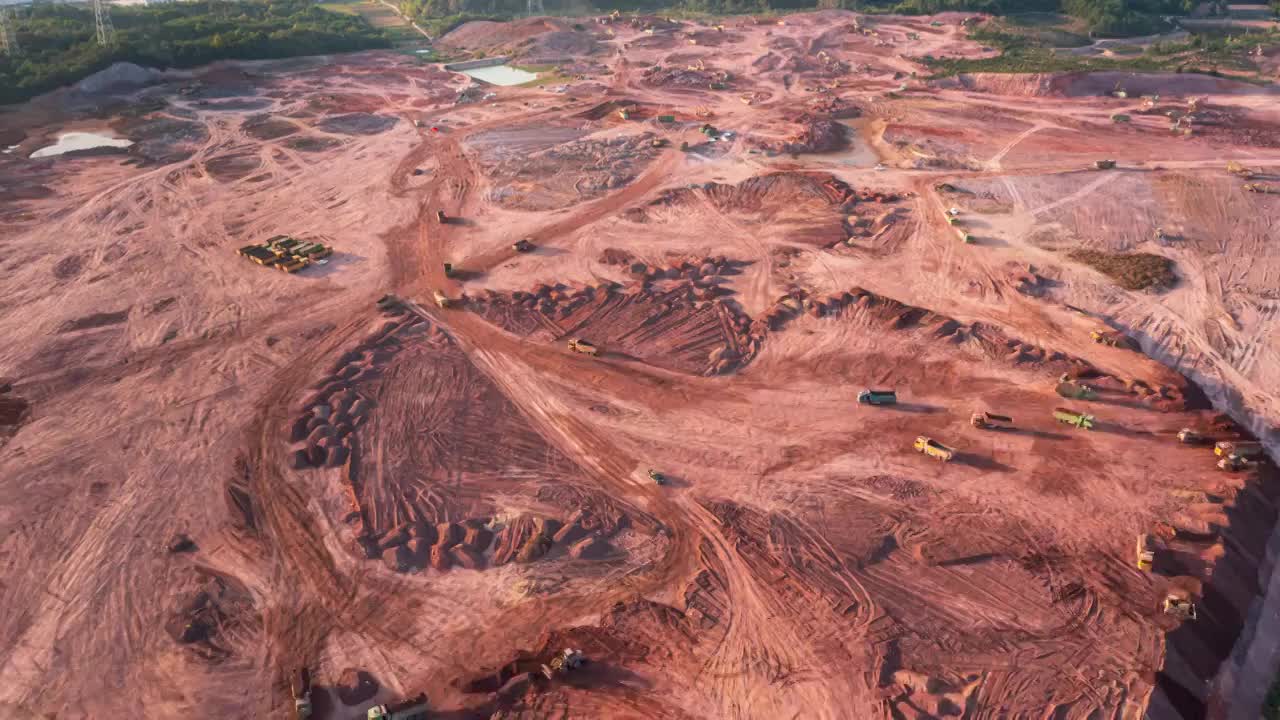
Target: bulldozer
{"type": "Point", "coordinates": [442, 301]}
{"type": "Point", "coordinates": [990, 421]}
{"type": "Point", "coordinates": [1239, 170]}
{"type": "Point", "coordinates": [565, 662]}
{"type": "Point", "coordinates": [1188, 436]}
{"type": "Point", "coordinates": [579, 345]}
{"type": "Point", "coordinates": [1146, 552]}
{"type": "Point", "coordinates": [933, 448]}
{"type": "Point", "coordinates": [1179, 605]}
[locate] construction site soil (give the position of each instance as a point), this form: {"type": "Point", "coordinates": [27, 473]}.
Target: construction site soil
{"type": "Point", "coordinates": [440, 458]}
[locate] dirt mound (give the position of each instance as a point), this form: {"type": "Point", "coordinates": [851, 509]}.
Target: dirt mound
{"type": "Point", "coordinates": [209, 617]}
{"type": "Point", "coordinates": [358, 124]}
{"type": "Point", "coordinates": [687, 77]}
{"type": "Point", "coordinates": [1165, 84]}
{"type": "Point", "coordinates": [14, 410]}
{"type": "Point", "coordinates": [566, 174]}
{"type": "Point", "coordinates": [431, 438]}
{"type": "Point", "coordinates": [489, 36]}
{"type": "Point", "coordinates": [120, 76]}
{"type": "Point", "coordinates": [355, 687]}
{"type": "Point", "coordinates": [266, 127]}
{"type": "Point", "coordinates": [559, 45]}
{"type": "Point", "coordinates": [814, 136]}
{"type": "Point", "coordinates": [673, 324]}
{"type": "Point", "coordinates": [1032, 85]}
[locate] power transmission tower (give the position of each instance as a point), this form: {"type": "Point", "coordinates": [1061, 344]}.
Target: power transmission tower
{"type": "Point", "coordinates": [8, 34]}
{"type": "Point", "coordinates": [535, 7]}
{"type": "Point", "coordinates": [102, 18]}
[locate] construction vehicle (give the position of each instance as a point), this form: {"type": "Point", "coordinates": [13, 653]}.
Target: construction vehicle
{"type": "Point", "coordinates": [1104, 164]}
{"type": "Point", "coordinates": [1112, 338]}
{"type": "Point", "coordinates": [657, 477]}
{"type": "Point", "coordinates": [1243, 448]}
{"type": "Point", "coordinates": [1074, 418]}
{"type": "Point", "coordinates": [965, 237]}
{"type": "Point", "coordinates": [286, 253]}
{"type": "Point", "coordinates": [1179, 606]}
{"type": "Point", "coordinates": [441, 218]}
{"type": "Point", "coordinates": [415, 708]}
{"type": "Point", "coordinates": [1187, 436]}
{"type": "Point", "coordinates": [1146, 553]}
{"type": "Point", "coordinates": [990, 421]}
{"type": "Point", "coordinates": [565, 662]}
{"type": "Point", "coordinates": [1234, 463]}
{"type": "Point", "coordinates": [1239, 170]}
{"type": "Point", "coordinates": [878, 397]}
{"type": "Point", "coordinates": [666, 118]}
{"type": "Point", "coordinates": [523, 245]}
{"type": "Point", "coordinates": [442, 300]}
{"type": "Point", "coordinates": [933, 448]}
{"type": "Point", "coordinates": [579, 345]}
{"type": "Point", "coordinates": [1264, 189]}
{"type": "Point", "coordinates": [301, 687]}
{"type": "Point", "coordinates": [1075, 391]}
{"type": "Point", "coordinates": [658, 143]}
{"type": "Point", "coordinates": [448, 270]}
{"type": "Point", "coordinates": [625, 113]}
{"type": "Point", "coordinates": [1120, 118]}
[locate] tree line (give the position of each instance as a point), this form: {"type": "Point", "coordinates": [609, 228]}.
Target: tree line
{"type": "Point", "coordinates": [59, 44]}
{"type": "Point", "coordinates": [1104, 17]}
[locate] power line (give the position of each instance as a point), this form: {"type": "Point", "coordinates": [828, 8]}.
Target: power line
{"type": "Point", "coordinates": [102, 18]}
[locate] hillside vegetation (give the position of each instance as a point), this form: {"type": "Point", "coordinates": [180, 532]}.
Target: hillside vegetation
{"type": "Point", "coordinates": [1102, 17]}
{"type": "Point", "coordinates": [59, 46]}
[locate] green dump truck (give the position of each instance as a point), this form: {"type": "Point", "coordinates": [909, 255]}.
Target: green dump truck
{"type": "Point", "coordinates": [1074, 418]}
{"type": "Point", "coordinates": [878, 397]}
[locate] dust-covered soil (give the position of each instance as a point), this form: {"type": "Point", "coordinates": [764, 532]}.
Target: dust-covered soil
{"type": "Point", "coordinates": [583, 372]}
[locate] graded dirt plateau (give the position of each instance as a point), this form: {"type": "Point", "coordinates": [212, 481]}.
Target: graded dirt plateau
{"type": "Point", "coordinates": [608, 399]}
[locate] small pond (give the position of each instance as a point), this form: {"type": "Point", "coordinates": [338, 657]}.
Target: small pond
{"type": "Point", "coordinates": [500, 75]}
{"type": "Point", "coordinates": [72, 141]}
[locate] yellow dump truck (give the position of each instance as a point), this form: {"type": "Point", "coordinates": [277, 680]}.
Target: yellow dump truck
{"type": "Point", "coordinates": [934, 449]}
{"type": "Point", "coordinates": [1242, 448]}
{"type": "Point", "coordinates": [441, 299]}
{"type": "Point", "coordinates": [1146, 552]}
{"type": "Point", "coordinates": [579, 345]}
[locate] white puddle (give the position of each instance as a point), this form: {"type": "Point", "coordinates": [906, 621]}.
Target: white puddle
{"type": "Point", "coordinates": [500, 75]}
{"type": "Point", "coordinates": [72, 141]}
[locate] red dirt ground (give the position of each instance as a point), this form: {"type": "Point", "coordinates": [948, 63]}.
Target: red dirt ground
{"type": "Point", "coordinates": [417, 498]}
